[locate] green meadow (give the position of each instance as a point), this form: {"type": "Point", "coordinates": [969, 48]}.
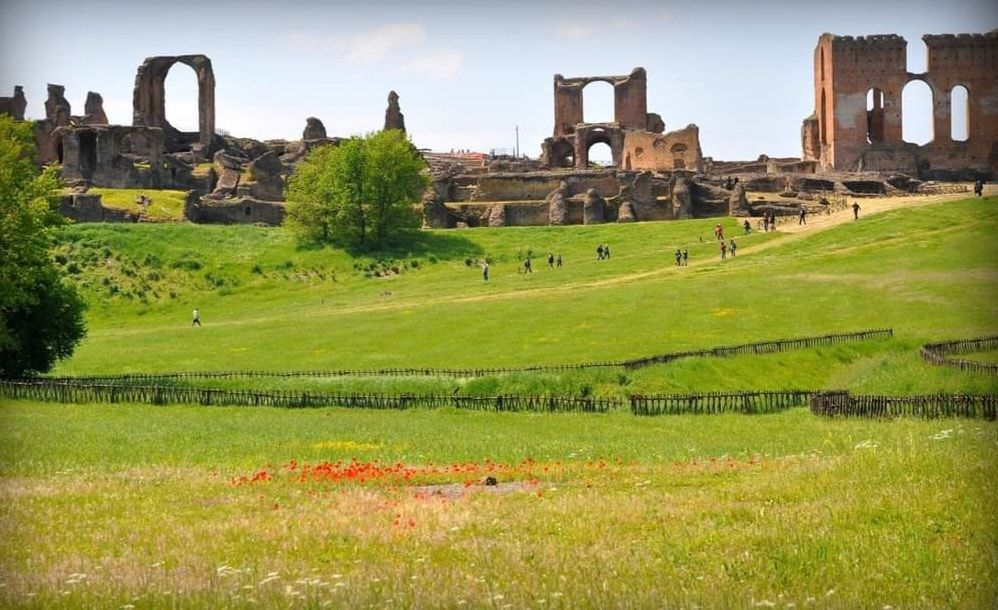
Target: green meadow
{"type": "Point", "coordinates": [190, 506]}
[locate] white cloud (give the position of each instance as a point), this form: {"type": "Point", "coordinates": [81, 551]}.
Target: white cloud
{"type": "Point", "coordinates": [376, 44]}
{"type": "Point", "coordinates": [441, 63]}
{"type": "Point", "coordinates": [403, 43]}
{"type": "Point", "coordinates": [573, 31]}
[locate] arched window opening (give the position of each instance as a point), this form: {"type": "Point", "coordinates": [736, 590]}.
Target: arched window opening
{"type": "Point", "coordinates": [600, 154]}
{"type": "Point", "coordinates": [874, 115]}
{"type": "Point", "coordinates": [916, 113]}
{"type": "Point", "coordinates": [180, 94]}
{"type": "Point", "coordinates": [959, 114]}
{"type": "Point", "coordinates": [597, 102]}
{"type": "Point", "coordinates": [823, 118]}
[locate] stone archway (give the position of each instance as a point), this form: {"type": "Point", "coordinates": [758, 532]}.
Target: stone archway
{"type": "Point", "coordinates": [149, 101]}
{"type": "Point", "coordinates": [594, 138]}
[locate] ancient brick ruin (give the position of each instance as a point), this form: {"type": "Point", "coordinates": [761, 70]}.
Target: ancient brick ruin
{"type": "Point", "coordinates": [634, 136]}
{"type": "Point", "coordinates": [850, 147]}
{"type": "Point", "coordinates": [149, 107]}
{"type": "Point", "coordinates": [15, 105]}
{"type": "Point", "coordinates": [858, 83]}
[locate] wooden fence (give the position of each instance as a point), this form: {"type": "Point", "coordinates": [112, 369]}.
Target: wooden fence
{"type": "Point", "coordinates": [844, 404]}
{"type": "Point", "coordinates": [711, 403]}
{"type": "Point", "coordinates": [761, 347]}
{"type": "Point", "coordinates": [938, 354]}
{"type": "Point", "coordinates": [823, 403]}
{"type": "Point", "coordinates": [764, 347]}
{"type": "Point", "coordinates": [86, 392]}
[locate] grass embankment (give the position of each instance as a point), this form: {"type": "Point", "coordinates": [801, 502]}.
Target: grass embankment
{"type": "Point", "coordinates": [267, 304]}
{"type": "Point", "coordinates": [166, 204]}
{"type": "Point", "coordinates": [132, 505]}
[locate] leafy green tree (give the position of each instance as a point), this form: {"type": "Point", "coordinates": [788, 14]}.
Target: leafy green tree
{"type": "Point", "coordinates": [41, 317]}
{"type": "Point", "coordinates": [360, 193]}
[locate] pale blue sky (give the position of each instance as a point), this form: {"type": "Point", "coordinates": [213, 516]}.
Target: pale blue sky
{"type": "Point", "coordinates": [467, 72]}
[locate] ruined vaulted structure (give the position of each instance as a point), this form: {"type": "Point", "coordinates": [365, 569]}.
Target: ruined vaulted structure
{"type": "Point", "coordinates": [149, 101]}
{"type": "Point", "coordinates": [857, 123]}
{"type": "Point", "coordinates": [634, 136]}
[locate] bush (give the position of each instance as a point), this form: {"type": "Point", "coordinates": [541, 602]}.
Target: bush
{"type": "Point", "coordinates": [186, 264]}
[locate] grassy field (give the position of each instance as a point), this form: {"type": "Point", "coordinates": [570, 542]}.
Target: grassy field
{"type": "Point", "coordinates": [132, 505]}
{"type": "Point", "coordinates": [166, 204]}
{"type": "Point", "coordinates": [185, 506]}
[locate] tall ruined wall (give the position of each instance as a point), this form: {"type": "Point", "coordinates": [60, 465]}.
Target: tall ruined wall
{"type": "Point", "coordinates": [630, 100]}
{"type": "Point", "coordinates": [851, 137]}
{"type": "Point", "coordinates": [846, 68]}
{"type": "Point", "coordinates": [971, 61]}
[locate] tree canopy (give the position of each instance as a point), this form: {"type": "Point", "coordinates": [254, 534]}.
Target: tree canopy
{"type": "Point", "coordinates": [360, 193]}
{"type": "Point", "coordinates": [41, 317]}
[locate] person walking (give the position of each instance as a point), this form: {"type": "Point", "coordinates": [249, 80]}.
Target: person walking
{"type": "Point", "coordinates": [196, 318]}
{"type": "Point", "coordinates": [720, 232]}
{"type": "Point", "coordinates": [724, 251]}
{"type": "Point", "coordinates": [551, 260]}
{"type": "Point", "coordinates": [679, 257]}
{"type": "Point", "coordinates": [802, 219]}
{"type": "Point", "coordinates": [979, 187]}
{"type": "Point", "coordinates": [855, 211]}
{"type": "Point", "coordinates": [686, 257]}
{"type": "Point", "coordinates": [606, 251]}
{"type": "Point", "coordinates": [732, 246]}
{"type": "Point", "coordinates": [747, 226]}
{"type": "Point", "coordinates": [485, 271]}
{"type": "Point", "coordinates": [557, 261]}
{"type": "Point", "coordinates": [527, 265]}
{"type": "Point", "coordinates": [599, 252]}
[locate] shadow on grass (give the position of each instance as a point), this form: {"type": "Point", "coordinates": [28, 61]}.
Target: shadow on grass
{"type": "Point", "coordinates": [410, 243]}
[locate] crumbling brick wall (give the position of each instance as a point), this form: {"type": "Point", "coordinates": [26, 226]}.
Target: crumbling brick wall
{"type": "Point", "coordinates": [850, 137]}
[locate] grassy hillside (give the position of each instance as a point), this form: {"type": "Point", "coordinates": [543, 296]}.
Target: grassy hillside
{"type": "Point", "coordinates": [189, 506]}
{"type": "Point", "coordinates": [267, 303]}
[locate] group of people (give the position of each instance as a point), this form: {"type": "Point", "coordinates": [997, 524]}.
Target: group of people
{"type": "Point", "coordinates": [554, 260]}
{"type": "Point", "coordinates": [768, 221]}
{"type": "Point", "coordinates": [730, 247]}
{"type": "Point", "coordinates": [729, 182]}
{"type": "Point", "coordinates": [682, 257]}
{"type": "Point", "coordinates": [603, 252]}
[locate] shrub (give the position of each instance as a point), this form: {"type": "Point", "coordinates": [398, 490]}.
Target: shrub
{"type": "Point", "coordinates": [186, 264]}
